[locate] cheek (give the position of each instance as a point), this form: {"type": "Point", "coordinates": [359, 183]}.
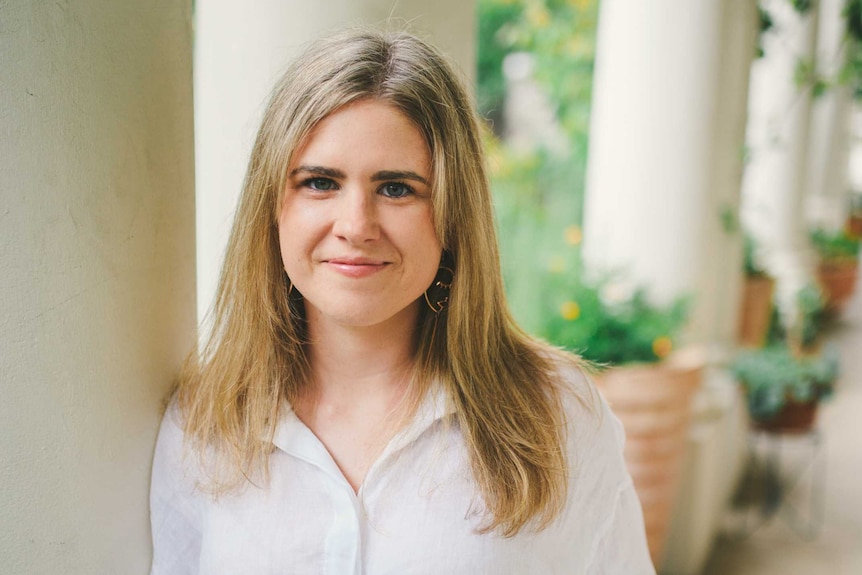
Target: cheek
{"type": "Point", "coordinates": [428, 251]}
{"type": "Point", "coordinates": [289, 240]}
{"type": "Point", "coordinates": [295, 254]}
{"type": "Point", "coordinates": [287, 251]}
{"type": "Point", "coordinates": [284, 238]}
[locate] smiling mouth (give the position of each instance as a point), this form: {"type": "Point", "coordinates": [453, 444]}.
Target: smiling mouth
{"type": "Point", "coordinates": [356, 267]}
{"type": "Point", "coordinates": [356, 261]}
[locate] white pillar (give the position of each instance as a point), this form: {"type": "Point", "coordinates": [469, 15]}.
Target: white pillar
{"type": "Point", "coordinates": [778, 129]}
{"type": "Point", "coordinates": [826, 200]}
{"type": "Point", "coordinates": [96, 272]}
{"type": "Point", "coordinates": [240, 50]}
{"type": "Point", "coordinates": [663, 187]}
{"type": "Point", "coordinates": [720, 267]}
{"type": "Point", "coordinates": [855, 163]}
{"type": "Point", "coordinates": [649, 207]}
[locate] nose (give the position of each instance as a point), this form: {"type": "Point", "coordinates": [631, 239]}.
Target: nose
{"type": "Point", "coordinates": [357, 219]}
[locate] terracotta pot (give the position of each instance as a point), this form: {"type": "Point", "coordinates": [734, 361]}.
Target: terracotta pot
{"type": "Point", "coordinates": [854, 226]}
{"type": "Point", "coordinates": [653, 402]}
{"type": "Point", "coordinates": [838, 280]}
{"type": "Point", "coordinates": [794, 417]}
{"type": "Point", "coordinates": [755, 310]}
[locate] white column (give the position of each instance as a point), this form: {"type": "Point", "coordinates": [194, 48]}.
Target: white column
{"type": "Point", "coordinates": [240, 50]}
{"type": "Point", "coordinates": [855, 162]}
{"type": "Point", "coordinates": [720, 266]}
{"type": "Point", "coordinates": [713, 459]}
{"type": "Point", "coordinates": [651, 142]}
{"type": "Point", "coordinates": [97, 302]}
{"type": "Point", "coordinates": [663, 189]}
{"type": "Point", "coordinates": [778, 129]}
{"type": "Point", "coordinates": [826, 200]}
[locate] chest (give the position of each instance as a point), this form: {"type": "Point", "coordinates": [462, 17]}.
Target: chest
{"type": "Point", "coordinates": [352, 439]}
{"type": "Point", "coordinates": [352, 447]}
{"type": "Point", "coordinates": [413, 515]}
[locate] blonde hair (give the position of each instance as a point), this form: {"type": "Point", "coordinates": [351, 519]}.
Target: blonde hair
{"type": "Point", "coordinates": [503, 385]}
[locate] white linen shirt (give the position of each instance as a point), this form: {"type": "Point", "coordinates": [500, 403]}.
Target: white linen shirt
{"type": "Point", "coordinates": [416, 512]}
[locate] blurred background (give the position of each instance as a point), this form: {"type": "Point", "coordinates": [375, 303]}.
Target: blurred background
{"type": "Point", "coordinates": [678, 188]}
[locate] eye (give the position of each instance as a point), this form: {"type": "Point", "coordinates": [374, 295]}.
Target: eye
{"type": "Point", "coordinates": [320, 184]}
{"type": "Point", "coordinates": [395, 190]}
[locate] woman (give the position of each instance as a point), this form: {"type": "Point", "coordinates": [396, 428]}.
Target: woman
{"type": "Point", "coordinates": [365, 403]}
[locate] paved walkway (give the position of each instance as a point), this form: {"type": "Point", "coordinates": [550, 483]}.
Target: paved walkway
{"type": "Point", "coordinates": [775, 549]}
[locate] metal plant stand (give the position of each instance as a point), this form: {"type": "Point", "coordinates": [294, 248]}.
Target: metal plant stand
{"type": "Point", "coordinates": [783, 471]}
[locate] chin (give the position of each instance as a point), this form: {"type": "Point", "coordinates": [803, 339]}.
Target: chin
{"type": "Point", "coordinates": [362, 313]}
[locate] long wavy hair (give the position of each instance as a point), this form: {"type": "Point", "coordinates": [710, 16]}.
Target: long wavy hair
{"type": "Point", "coordinates": [503, 385]}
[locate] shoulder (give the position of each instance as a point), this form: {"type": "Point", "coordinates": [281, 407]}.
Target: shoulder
{"type": "Point", "coordinates": [175, 504]}
{"type": "Point", "coordinates": [592, 426]}
{"type": "Point", "coordinates": [601, 496]}
{"type": "Point", "coordinates": [585, 412]}
{"type": "Point", "coordinates": [171, 439]}
{"type": "Point", "coordinates": [594, 437]}
{"type": "Point", "coordinates": [175, 473]}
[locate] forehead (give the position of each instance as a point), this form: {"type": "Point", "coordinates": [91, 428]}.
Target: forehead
{"type": "Point", "coordinates": [369, 131]}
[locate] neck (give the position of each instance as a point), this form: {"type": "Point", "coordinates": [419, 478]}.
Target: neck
{"type": "Point", "coordinates": [360, 365]}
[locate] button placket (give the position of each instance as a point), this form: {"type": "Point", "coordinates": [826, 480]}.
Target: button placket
{"type": "Point", "coordinates": [344, 539]}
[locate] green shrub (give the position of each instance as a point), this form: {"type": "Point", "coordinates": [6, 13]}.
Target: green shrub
{"type": "Point", "coordinates": [609, 324]}
{"type": "Point", "coordinates": [772, 375]}
{"type": "Point", "coordinates": [835, 246]}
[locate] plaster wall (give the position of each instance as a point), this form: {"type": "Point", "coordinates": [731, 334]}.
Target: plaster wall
{"type": "Point", "coordinates": [97, 300]}
{"type": "Point", "coordinates": [240, 51]}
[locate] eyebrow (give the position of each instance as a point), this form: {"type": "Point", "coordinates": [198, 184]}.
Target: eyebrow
{"type": "Point", "coordinates": [398, 175]}
{"type": "Point", "coordinates": [319, 170]}
{"type": "Point", "coordinates": [376, 177]}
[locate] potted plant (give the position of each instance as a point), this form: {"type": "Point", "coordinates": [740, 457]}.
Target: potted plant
{"type": "Point", "coordinates": [838, 266]}
{"type": "Point", "coordinates": [805, 337]}
{"type": "Point", "coordinates": [854, 218]}
{"type": "Point", "coordinates": [649, 384]}
{"type": "Point", "coordinates": [756, 304]}
{"type": "Point", "coordinates": [785, 381]}
{"type": "Point", "coordinates": [610, 322]}
{"type": "Point", "coordinates": [783, 388]}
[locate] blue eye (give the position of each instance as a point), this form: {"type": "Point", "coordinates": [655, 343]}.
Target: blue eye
{"type": "Point", "coordinates": [395, 190]}
{"type": "Point", "coordinates": [320, 184]}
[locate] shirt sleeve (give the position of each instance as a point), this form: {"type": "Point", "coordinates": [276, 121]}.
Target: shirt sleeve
{"type": "Point", "coordinates": [175, 516]}
{"type": "Point", "coordinates": [603, 496]}
{"type": "Point", "coordinates": [621, 544]}
{"type": "Point", "coordinates": [621, 547]}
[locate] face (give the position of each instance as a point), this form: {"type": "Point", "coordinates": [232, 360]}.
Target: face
{"type": "Point", "coordinates": [356, 226]}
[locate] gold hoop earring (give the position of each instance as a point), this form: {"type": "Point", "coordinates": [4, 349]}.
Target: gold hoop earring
{"type": "Point", "coordinates": [437, 296]}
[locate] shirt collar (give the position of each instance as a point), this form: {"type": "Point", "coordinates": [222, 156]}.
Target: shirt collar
{"type": "Point", "coordinates": [434, 407]}
{"type": "Point", "coordinates": [294, 437]}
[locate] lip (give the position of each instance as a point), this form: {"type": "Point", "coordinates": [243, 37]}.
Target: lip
{"type": "Point", "coordinates": [358, 267]}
